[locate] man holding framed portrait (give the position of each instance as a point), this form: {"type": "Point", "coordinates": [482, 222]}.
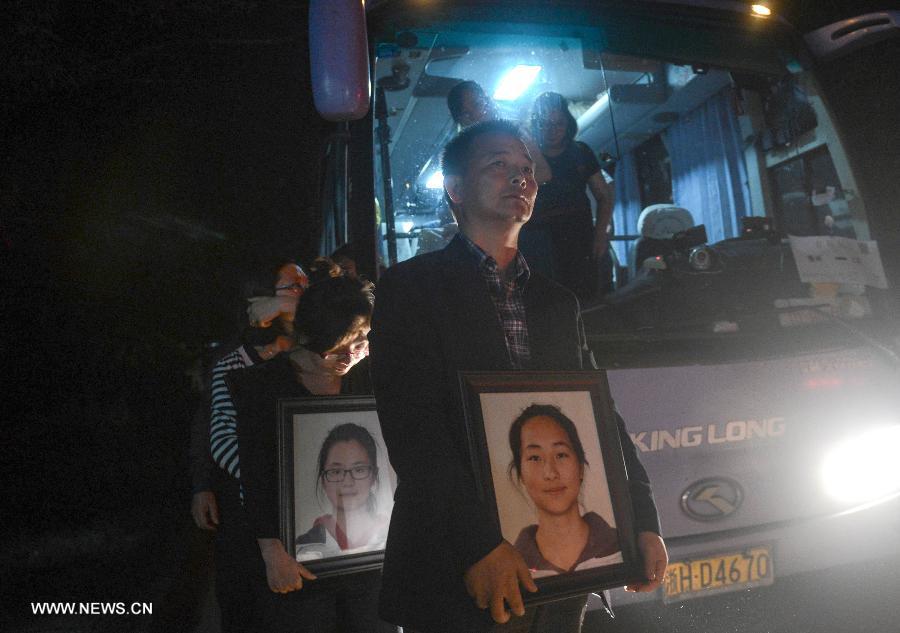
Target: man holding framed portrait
{"type": "Point", "coordinates": [547, 455]}
{"type": "Point", "coordinates": [474, 306]}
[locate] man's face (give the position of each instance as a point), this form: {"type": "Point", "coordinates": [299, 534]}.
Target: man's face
{"type": "Point", "coordinates": [475, 107]}
{"type": "Point", "coordinates": [498, 184]}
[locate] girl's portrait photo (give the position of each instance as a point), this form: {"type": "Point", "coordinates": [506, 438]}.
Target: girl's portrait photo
{"type": "Point", "coordinates": [349, 477]}
{"type": "Point", "coordinates": [342, 483]}
{"type": "Point", "coordinates": [553, 498]}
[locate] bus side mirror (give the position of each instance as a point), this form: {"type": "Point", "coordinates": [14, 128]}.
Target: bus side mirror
{"type": "Point", "coordinates": [339, 59]}
{"type": "Point", "coordinates": [844, 37]}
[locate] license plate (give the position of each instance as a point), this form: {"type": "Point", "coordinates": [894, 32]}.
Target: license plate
{"type": "Point", "coordinates": [710, 575]}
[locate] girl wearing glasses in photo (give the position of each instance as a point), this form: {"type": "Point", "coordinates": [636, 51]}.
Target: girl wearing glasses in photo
{"type": "Point", "coordinates": [348, 476]}
{"type": "Point", "coordinates": [549, 463]}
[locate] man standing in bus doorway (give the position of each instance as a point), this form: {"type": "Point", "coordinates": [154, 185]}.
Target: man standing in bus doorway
{"type": "Point", "coordinates": [472, 306]}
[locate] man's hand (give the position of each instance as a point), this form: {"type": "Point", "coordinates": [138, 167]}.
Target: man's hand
{"type": "Point", "coordinates": [263, 310]}
{"type": "Point", "coordinates": [205, 510]}
{"type": "Point", "coordinates": [283, 573]}
{"type": "Point", "coordinates": [655, 557]}
{"type": "Point", "coordinates": [495, 579]}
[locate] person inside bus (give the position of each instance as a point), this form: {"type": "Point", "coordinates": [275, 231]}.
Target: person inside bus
{"type": "Point", "coordinates": [330, 326]}
{"type": "Point", "coordinates": [549, 463]}
{"type": "Point", "coordinates": [473, 306]}
{"type": "Point", "coordinates": [469, 103]}
{"type": "Point", "coordinates": [349, 477]}
{"type": "Point", "coordinates": [561, 239]}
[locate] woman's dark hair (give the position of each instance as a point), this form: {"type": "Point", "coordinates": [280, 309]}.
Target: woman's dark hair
{"type": "Point", "coordinates": [541, 109]}
{"type": "Point", "coordinates": [534, 411]}
{"type": "Point", "coordinates": [332, 307]}
{"type": "Point", "coordinates": [349, 432]}
{"type": "Point", "coordinates": [455, 97]}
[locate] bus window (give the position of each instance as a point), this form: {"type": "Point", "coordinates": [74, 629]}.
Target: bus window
{"type": "Point", "coordinates": [809, 197]}
{"type": "Point", "coordinates": [725, 123]}
{"type": "Point", "coordinates": [511, 68]}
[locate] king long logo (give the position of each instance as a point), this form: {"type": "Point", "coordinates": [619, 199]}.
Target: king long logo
{"type": "Point", "coordinates": [711, 434]}
{"type": "Point", "coordinates": [712, 499]}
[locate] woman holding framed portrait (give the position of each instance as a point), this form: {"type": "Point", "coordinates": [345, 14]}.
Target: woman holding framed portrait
{"type": "Point", "coordinates": [549, 463]}
{"type": "Point", "coordinates": [331, 323]}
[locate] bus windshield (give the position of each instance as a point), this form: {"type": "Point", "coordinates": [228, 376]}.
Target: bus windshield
{"type": "Point", "coordinates": [707, 136]}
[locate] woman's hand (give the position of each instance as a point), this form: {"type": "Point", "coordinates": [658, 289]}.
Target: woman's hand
{"type": "Point", "coordinates": [205, 510]}
{"type": "Point", "coordinates": [653, 551]}
{"type": "Point", "coordinates": [604, 193]}
{"type": "Point", "coordinates": [283, 573]}
{"type": "Point", "coordinates": [263, 310]}
{"type": "Point", "coordinates": [601, 241]}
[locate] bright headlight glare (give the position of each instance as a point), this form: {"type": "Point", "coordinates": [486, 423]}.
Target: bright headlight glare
{"type": "Point", "coordinates": [863, 468]}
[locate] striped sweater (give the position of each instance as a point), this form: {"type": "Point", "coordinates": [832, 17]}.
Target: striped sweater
{"type": "Point", "coordinates": [223, 438]}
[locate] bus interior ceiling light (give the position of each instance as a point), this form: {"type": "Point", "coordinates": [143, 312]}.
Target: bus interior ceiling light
{"type": "Point", "coordinates": [760, 10]}
{"type": "Point", "coordinates": [863, 468]}
{"type": "Point", "coordinates": [515, 82]}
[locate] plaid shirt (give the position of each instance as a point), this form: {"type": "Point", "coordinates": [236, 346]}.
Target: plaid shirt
{"type": "Point", "coordinates": [507, 298]}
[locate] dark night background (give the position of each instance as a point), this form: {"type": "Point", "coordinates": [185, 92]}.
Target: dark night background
{"type": "Point", "coordinates": [151, 149]}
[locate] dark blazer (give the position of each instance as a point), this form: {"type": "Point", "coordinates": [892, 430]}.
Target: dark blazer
{"type": "Point", "coordinates": [434, 317]}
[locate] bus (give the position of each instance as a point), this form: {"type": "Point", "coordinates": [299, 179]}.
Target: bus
{"type": "Point", "coordinates": [749, 329]}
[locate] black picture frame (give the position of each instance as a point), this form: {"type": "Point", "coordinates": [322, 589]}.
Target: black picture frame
{"type": "Point", "coordinates": [491, 402]}
{"type": "Point", "coordinates": [303, 424]}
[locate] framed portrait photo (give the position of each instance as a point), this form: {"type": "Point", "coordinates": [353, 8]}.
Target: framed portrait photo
{"type": "Point", "coordinates": [336, 486]}
{"type": "Point", "coordinates": [547, 457]}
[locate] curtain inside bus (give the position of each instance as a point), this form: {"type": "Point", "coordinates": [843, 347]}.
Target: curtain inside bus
{"type": "Point", "coordinates": [709, 177]}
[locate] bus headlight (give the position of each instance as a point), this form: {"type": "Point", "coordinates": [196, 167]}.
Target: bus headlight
{"type": "Point", "coordinates": [864, 468]}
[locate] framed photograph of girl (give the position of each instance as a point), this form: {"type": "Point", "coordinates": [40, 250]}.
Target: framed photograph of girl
{"type": "Point", "coordinates": [547, 457]}
{"type": "Point", "coordinates": [336, 486]}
